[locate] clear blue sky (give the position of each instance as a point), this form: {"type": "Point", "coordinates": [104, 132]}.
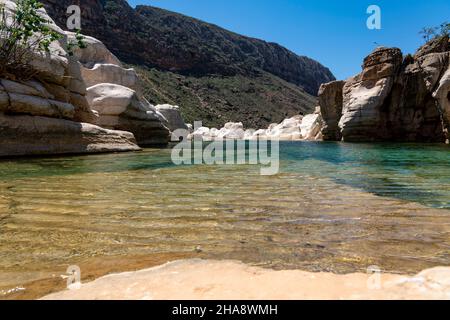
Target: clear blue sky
{"type": "Point", "coordinates": [331, 31]}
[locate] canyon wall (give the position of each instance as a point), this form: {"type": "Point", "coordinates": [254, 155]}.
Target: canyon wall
{"type": "Point", "coordinates": [394, 98]}
{"type": "Point", "coordinates": [54, 111]}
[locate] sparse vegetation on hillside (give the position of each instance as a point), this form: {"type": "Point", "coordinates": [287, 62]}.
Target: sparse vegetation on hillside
{"type": "Point", "coordinates": [429, 33]}
{"type": "Point", "coordinates": [256, 101]}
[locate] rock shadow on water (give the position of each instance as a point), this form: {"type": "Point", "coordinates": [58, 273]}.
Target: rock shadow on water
{"type": "Point", "coordinates": [383, 169]}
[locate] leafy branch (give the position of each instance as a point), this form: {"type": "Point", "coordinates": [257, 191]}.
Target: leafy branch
{"type": "Point", "coordinates": [24, 33]}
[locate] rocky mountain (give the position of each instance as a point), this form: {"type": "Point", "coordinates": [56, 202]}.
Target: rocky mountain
{"type": "Point", "coordinates": [266, 80]}
{"type": "Point", "coordinates": [394, 98]}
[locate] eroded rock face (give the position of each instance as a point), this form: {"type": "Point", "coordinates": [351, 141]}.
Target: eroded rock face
{"type": "Point", "coordinates": [44, 115]}
{"type": "Point", "coordinates": [110, 73]}
{"type": "Point", "coordinates": [442, 94]}
{"type": "Point", "coordinates": [172, 115]}
{"type": "Point", "coordinates": [94, 53]}
{"type": "Point", "coordinates": [311, 126]}
{"type": "Point", "coordinates": [115, 95]}
{"type": "Point", "coordinates": [32, 99]}
{"type": "Point", "coordinates": [411, 113]}
{"type": "Point", "coordinates": [330, 101]}
{"type": "Point", "coordinates": [438, 45]}
{"type": "Point", "coordinates": [120, 108]}
{"type": "Point", "coordinates": [393, 99]}
{"type": "Point", "coordinates": [365, 94]}
{"type": "Point", "coordinates": [35, 135]}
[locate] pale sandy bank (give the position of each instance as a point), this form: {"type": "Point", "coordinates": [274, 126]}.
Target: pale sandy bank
{"type": "Point", "coordinates": [205, 279]}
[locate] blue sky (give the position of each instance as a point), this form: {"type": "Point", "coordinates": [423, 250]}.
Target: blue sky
{"type": "Point", "coordinates": [331, 31]}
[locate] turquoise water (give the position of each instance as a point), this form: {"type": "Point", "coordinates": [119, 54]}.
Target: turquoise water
{"type": "Point", "coordinates": [414, 172]}
{"type": "Point", "coordinates": [333, 207]}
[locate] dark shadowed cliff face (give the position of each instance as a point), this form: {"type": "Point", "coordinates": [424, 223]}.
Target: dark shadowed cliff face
{"type": "Point", "coordinates": [180, 46]}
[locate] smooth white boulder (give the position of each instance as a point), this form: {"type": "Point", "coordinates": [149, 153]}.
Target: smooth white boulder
{"type": "Point", "coordinates": [114, 100]}
{"type": "Point", "coordinates": [110, 73]}
{"type": "Point", "coordinates": [288, 129]}
{"type": "Point", "coordinates": [291, 129]}
{"type": "Point", "coordinates": [95, 52]}
{"type": "Point", "coordinates": [202, 133]}
{"type": "Point", "coordinates": [311, 126]}
{"type": "Point", "coordinates": [172, 115]}
{"type": "Point", "coordinates": [232, 131]}
{"type": "Point", "coordinates": [120, 108]}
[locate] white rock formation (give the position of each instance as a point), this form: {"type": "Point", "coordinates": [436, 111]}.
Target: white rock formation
{"type": "Point", "coordinates": [202, 133]}
{"type": "Point", "coordinates": [45, 115]}
{"type": "Point", "coordinates": [311, 126]}
{"type": "Point", "coordinates": [115, 95]}
{"type": "Point", "coordinates": [172, 115]}
{"type": "Point", "coordinates": [287, 130]}
{"type": "Point", "coordinates": [231, 131]}
{"type": "Point", "coordinates": [365, 93]}
{"type": "Point", "coordinates": [292, 129]}
{"type": "Point", "coordinates": [110, 73]}
{"type": "Point", "coordinates": [120, 108]}
{"type": "Point", "coordinates": [95, 52]}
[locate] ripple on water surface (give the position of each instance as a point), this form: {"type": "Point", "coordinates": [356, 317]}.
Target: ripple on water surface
{"type": "Point", "coordinates": [333, 207]}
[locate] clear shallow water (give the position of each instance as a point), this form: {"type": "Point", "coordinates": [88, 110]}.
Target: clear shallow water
{"type": "Point", "coordinates": [333, 207]}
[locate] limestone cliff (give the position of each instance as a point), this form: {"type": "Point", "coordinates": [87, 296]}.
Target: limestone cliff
{"type": "Point", "coordinates": [394, 98]}
{"type": "Point", "coordinates": [50, 113]}
{"type": "Point", "coordinates": [114, 94]}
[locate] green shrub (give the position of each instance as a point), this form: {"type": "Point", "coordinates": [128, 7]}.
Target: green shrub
{"type": "Point", "coordinates": [23, 33]}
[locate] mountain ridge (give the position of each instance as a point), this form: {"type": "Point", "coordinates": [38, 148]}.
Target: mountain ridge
{"type": "Point", "coordinates": [165, 42]}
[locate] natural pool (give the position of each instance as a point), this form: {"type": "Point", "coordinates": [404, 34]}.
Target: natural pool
{"type": "Point", "coordinates": [334, 207]}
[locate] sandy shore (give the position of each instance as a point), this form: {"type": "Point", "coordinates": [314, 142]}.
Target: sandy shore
{"type": "Point", "coordinates": [206, 279]}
